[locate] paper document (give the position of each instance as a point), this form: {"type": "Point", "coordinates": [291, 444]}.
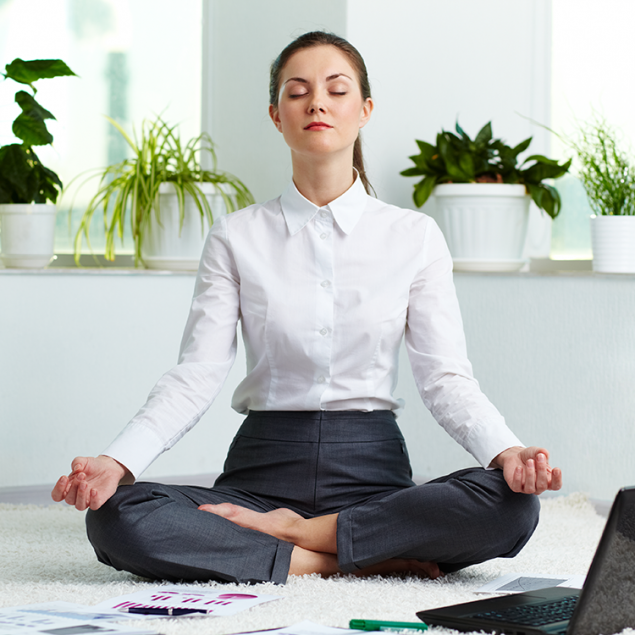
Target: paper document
{"type": "Point", "coordinates": [518, 583]}
{"type": "Point", "coordinates": [306, 628]}
{"type": "Point", "coordinates": [21, 621]}
{"type": "Point", "coordinates": [186, 597]}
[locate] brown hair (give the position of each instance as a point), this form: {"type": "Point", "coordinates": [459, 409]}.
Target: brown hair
{"type": "Point", "coordinates": [321, 38]}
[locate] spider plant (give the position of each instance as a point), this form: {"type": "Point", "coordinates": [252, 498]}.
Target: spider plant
{"type": "Point", "coordinates": [460, 159]}
{"type": "Point", "coordinates": [605, 170]}
{"type": "Point", "coordinates": [132, 185]}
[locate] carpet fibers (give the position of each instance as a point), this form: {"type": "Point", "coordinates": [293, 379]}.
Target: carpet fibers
{"type": "Point", "coordinates": [45, 556]}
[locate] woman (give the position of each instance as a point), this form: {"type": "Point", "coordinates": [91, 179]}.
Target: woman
{"type": "Point", "coordinates": [325, 281]}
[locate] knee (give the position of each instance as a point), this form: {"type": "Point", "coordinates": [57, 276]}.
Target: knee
{"type": "Point", "coordinates": [519, 518]}
{"type": "Point", "coordinates": [112, 528]}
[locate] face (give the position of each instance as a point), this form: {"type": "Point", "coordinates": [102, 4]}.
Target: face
{"type": "Point", "coordinates": [320, 106]}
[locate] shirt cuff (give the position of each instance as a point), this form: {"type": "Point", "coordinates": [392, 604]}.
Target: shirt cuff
{"type": "Point", "coordinates": [135, 447]}
{"type": "Point", "coordinates": [489, 438]}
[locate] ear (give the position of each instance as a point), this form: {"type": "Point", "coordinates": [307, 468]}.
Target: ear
{"type": "Point", "coordinates": [367, 110]}
{"type": "Point", "coordinates": [275, 117]}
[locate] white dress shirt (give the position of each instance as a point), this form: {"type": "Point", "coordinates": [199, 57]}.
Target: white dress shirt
{"type": "Point", "coordinates": [324, 297]}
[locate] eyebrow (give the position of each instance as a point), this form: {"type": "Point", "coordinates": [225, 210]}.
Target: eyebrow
{"type": "Point", "coordinates": [305, 81]}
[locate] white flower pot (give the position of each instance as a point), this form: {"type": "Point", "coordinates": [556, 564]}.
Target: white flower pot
{"type": "Point", "coordinates": [166, 245]}
{"type": "Point", "coordinates": [613, 244]}
{"type": "Point", "coordinates": [27, 235]}
{"type": "Point", "coordinates": [485, 224]}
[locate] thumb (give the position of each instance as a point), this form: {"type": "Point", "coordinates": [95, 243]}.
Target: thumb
{"type": "Point", "coordinates": [532, 452]}
{"type": "Point", "coordinates": [78, 464]}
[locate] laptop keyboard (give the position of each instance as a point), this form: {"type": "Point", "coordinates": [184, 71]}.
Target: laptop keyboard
{"type": "Point", "coordinates": [535, 614]}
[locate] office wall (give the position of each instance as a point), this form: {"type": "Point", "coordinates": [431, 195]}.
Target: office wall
{"type": "Point", "coordinates": [79, 353]}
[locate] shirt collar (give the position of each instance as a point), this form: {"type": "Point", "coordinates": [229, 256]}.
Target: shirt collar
{"type": "Point", "coordinates": [346, 209]}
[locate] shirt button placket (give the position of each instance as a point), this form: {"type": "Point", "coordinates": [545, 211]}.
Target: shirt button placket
{"type": "Point", "coordinates": [325, 300]}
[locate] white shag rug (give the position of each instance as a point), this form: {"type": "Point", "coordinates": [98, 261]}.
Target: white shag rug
{"type": "Point", "coordinates": [45, 556]}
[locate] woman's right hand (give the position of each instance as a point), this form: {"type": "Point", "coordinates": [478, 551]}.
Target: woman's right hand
{"type": "Point", "coordinates": [92, 481]}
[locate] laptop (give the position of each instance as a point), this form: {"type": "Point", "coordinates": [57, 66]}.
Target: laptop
{"type": "Point", "coordinates": [606, 603]}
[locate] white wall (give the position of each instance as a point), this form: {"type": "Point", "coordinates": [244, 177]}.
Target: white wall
{"type": "Point", "coordinates": [80, 352]}
{"type": "Point", "coordinates": [429, 63]}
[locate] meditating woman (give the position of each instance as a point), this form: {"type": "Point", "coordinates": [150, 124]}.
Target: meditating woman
{"type": "Point", "coordinates": [325, 281]}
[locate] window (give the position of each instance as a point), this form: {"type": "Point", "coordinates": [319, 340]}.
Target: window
{"type": "Point", "coordinates": [592, 54]}
{"type": "Point", "coordinates": [135, 59]}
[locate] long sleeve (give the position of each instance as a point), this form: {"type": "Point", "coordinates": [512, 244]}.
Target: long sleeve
{"type": "Point", "coordinates": [435, 342]}
{"type": "Point", "coordinates": [208, 350]}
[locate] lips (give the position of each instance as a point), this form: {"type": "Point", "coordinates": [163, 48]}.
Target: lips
{"type": "Point", "coordinates": [317, 125]}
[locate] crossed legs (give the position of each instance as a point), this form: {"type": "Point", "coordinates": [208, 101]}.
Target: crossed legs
{"type": "Point", "coordinates": [314, 540]}
{"type": "Point", "coordinates": [455, 521]}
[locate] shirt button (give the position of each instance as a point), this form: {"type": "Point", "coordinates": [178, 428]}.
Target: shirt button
{"type": "Point", "coordinates": [324, 213]}
{"type": "Point", "coordinates": [323, 236]}
{"type": "Point", "coordinates": [325, 283]}
{"type": "Point", "coordinates": [321, 379]}
{"type": "Point", "coordinates": [324, 331]}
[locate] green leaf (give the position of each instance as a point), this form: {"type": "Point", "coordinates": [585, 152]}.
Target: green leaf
{"type": "Point", "coordinates": [544, 169]}
{"type": "Point", "coordinates": [540, 159]}
{"type": "Point", "coordinates": [546, 198]}
{"type": "Point", "coordinates": [28, 104]}
{"type": "Point", "coordinates": [467, 166]}
{"type": "Point", "coordinates": [485, 135]}
{"type": "Point", "coordinates": [521, 147]}
{"type": "Point", "coordinates": [31, 129]}
{"type": "Point", "coordinates": [423, 189]}
{"type": "Point", "coordinates": [15, 170]}
{"type": "Point", "coordinates": [30, 71]}
{"type": "Point", "coordinates": [5, 192]}
{"type": "Point", "coordinates": [427, 149]}
{"type": "Point", "coordinates": [412, 172]}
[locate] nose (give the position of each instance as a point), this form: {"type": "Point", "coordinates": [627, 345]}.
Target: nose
{"type": "Point", "coordinates": [316, 105]}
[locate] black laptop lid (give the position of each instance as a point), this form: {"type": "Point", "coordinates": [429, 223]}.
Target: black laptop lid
{"type": "Point", "coordinates": [607, 601]}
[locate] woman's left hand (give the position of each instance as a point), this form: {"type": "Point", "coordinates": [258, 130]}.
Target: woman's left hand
{"type": "Point", "coordinates": [527, 470]}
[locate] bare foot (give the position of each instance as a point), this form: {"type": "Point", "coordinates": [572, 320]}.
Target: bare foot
{"type": "Point", "coordinates": [278, 523]}
{"type": "Point", "coordinates": [305, 562]}
{"type": "Point", "coordinates": [400, 565]}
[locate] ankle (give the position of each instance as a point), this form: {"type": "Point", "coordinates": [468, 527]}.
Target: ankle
{"type": "Point", "coordinates": [293, 530]}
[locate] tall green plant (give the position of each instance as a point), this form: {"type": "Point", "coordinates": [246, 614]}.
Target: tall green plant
{"type": "Point", "coordinates": [23, 178]}
{"type": "Point", "coordinates": [132, 186]}
{"type": "Point", "coordinates": [606, 171]}
{"type": "Point", "coordinates": [460, 159]}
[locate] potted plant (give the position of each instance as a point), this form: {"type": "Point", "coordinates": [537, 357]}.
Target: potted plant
{"type": "Point", "coordinates": [606, 173]}
{"type": "Point", "coordinates": [170, 198]}
{"type": "Point", "coordinates": [27, 221]}
{"type": "Point", "coordinates": [483, 195]}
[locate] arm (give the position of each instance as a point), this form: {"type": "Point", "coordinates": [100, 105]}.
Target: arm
{"type": "Point", "coordinates": [436, 346]}
{"type": "Point", "coordinates": [208, 350]}
{"type": "Point", "coordinates": [181, 396]}
{"type": "Point", "coordinates": [438, 355]}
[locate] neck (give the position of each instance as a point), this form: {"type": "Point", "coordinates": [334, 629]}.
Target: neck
{"type": "Point", "coordinates": [322, 181]}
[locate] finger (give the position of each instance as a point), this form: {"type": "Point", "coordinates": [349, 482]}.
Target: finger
{"type": "Point", "coordinates": [78, 464]}
{"type": "Point", "coordinates": [556, 479]}
{"type": "Point", "coordinates": [59, 491]}
{"type": "Point", "coordinates": [83, 496]}
{"type": "Point", "coordinates": [529, 486]}
{"type": "Point", "coordinates": [517, 480]}
{"type": "Point", "coordinates": [95, 500]}
{"type": "Point", "coordinates": [543, 475]}
{"type": "Point", "coordinates": [71, 495]}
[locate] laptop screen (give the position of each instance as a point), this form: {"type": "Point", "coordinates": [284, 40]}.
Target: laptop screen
{"type": "Point", "coordinates": [607, 603]}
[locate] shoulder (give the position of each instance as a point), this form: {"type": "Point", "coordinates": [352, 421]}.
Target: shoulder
{"type": "Point", "coordinates": [256, 214]}
{"type": "Point", "coordinates": [401, 219]}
